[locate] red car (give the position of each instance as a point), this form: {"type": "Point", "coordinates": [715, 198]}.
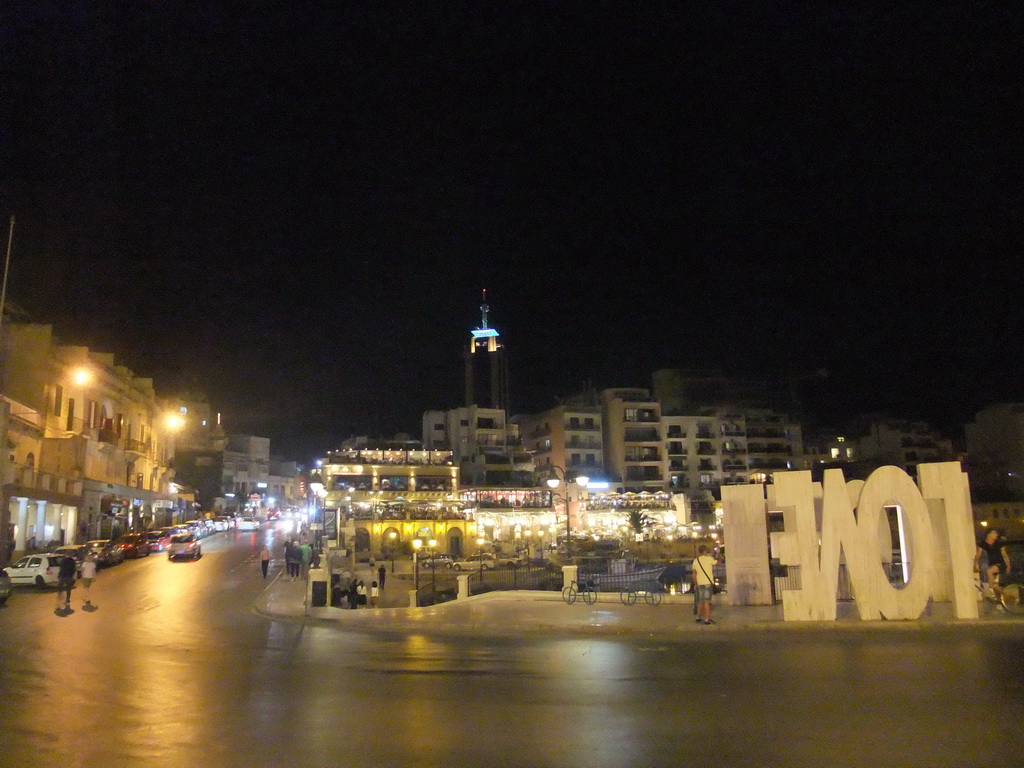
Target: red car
{"type": "Point", "coordinates": [133, 544]}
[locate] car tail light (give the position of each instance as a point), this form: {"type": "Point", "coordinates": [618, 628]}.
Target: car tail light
{"type": "Point", "coordinates": [49, 572]}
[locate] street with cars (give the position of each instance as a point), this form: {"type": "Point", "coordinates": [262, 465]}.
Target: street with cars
{"type": "Point", "coordinates": [172, 664]}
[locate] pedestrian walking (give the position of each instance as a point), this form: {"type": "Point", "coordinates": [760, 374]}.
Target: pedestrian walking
{"type": "Point", "coordinates": [265, 559]}
{"type": "Point", "coordinates": [374, 594]}
{"type": "Point", "coordinates": [293, 559]}
{"type": "Point", "coordinates": [88, 574]}
{"type": "Point", "coordinates": [352, 596]}
{"type": "Point", "coordinates": [382, 574]}
{"type": "Point", "coordinates": [360, 594]}
{"type": "Point", "coordinates": [305, 555]}
{"type": "Point", "coordinates": [66, 581]}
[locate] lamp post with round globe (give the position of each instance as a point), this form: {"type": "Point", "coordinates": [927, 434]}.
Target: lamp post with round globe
{"type": "Point", "coordinates": [416, 544]}
{"type": "Point", "coordinates": [562, 478]}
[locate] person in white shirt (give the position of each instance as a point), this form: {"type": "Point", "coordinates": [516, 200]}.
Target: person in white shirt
{"type": "Point", "coordinates": [88, 574]}
{"type": "Point", "coordinates": [703, 584]}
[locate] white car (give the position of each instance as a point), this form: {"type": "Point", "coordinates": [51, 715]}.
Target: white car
{"type": "Point", "coordinates": [484, 561]}
{"type": "Point", "coordinates": [40, 570]}
{"type": "Point", "coordinates": [248, 524]}
{"type": "Point", "coordinates": [183, 545]}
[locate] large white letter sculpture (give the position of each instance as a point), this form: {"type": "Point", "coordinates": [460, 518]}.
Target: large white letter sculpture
{"type": "Point", "coordinates": [853, 525]}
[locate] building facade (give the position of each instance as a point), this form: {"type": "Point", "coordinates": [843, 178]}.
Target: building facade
{"type": "Point", "coordinates": [89, 444]}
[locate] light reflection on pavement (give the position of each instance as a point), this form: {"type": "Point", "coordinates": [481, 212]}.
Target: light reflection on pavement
{"type": "Point", "coordinates": [174, 669]}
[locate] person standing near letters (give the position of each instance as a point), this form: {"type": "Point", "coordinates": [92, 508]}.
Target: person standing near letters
{"type": "Point", "coordinates": [994, 548]}
{"type": "Point", "coordinates": [703, 582]}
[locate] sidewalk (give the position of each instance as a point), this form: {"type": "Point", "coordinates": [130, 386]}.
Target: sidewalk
{"type": "Point", "coordinates": [544, 612]}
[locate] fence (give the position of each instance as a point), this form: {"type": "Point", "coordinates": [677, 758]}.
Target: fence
{"type": "Point", "coordinates": [442, 586]}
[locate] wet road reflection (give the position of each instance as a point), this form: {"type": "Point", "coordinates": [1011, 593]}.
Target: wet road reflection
{"type": "Point", "coordinates": [173, 669]}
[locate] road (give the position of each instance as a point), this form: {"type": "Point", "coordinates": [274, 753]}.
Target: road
{"type": "Point", "coordinates": [173, 668]}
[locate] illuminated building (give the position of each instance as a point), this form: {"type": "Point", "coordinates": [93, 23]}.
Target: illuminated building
{"type": "Point", "coordinates": [486, 368]}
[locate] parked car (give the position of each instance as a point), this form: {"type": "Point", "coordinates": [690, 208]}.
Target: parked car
{"type": "Point", "coordinates": [107, 551]}
{"type": "Point", "coordinates": [77, 551]}
{"type": "Point", "coordinates": [183, 545]}
{"type": "Point", "coordinates": [248, 524]}
{"type": "Point", "coordinates": [5, 587]}
{"type": "Point", "coordinates": [227, 521]}
{"type": "Point", "coordinates": [197, 528]}
{"type": "Point", "coordinates": [134, 544]}
{"type": "Point", "coordinates": [40, 570]}
{"type": "Point", "coordinates": [483, 561]}
{"type": "Point", "coordinates": [436, 560]}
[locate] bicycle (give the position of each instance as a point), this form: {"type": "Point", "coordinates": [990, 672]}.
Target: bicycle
{"type": "Point", "coordinates": [1011, 597]}
{"type": "Point", "coordinates": [649, 593]}
{"type": "Point", "coordinates": [584, 591]}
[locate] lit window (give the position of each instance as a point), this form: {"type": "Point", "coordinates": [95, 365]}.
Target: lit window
{"type": "Point", "coordinates": [835, 453]}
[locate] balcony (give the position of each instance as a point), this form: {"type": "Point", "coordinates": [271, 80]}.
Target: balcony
{"type": "Point", "coordinates": [705, 449]}
{"type": "Point", "coordinates": [109, 436]}
{"type": "Point", "coordinates": [642, 436]}
{"type": "Point", "coordinates": [37, 479]}
{"type": "Point", "coordinates": [137, 448]}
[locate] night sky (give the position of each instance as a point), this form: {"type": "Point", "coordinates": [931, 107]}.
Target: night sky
{"type": "Point", "coordinates": [296, 205]}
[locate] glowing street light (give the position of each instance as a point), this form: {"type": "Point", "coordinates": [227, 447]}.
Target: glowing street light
{"type": "Point", "coordinates": [416, 544]}
{"type": "Point", "coordinates": [560, 478]}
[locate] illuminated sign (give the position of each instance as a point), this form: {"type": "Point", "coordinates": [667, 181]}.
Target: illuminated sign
{"type": "Point", "coordinates": [483, 333]}
{"type": "Point", "coordinates": [261, 485]}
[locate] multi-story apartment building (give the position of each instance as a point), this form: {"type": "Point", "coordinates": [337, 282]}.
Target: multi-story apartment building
{"type": "Point", "coordinates": [89, 443]}
{"type": "Point", "coordinates": [633, 440]}
{"type": "Point", "coordinates": [567, 436]}
{"type": "Point", "coordinates": [902, 443]}
{"type": "Point", "coordinates": [995, 452]}
{"type": "Point", "coordinates": [485, 445]}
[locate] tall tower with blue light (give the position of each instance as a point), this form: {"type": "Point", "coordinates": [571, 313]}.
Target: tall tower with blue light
{"type": "Point", "coordinates": [486, 371]}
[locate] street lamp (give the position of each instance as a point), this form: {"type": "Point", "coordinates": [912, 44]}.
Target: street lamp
{"type": "Point", "coordinates": [433, 564]}
{"type": "Point", "coordinates": [480, 555]}
{"type": "Point", "coordinates": [561, 478]}
{"type": "Point", "coordinates": [416, 544]}
{"type": "Point", "coordinates": [392, 535]}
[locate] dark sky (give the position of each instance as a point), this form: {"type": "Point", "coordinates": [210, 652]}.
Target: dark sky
{"type": "Point", "coordinates": [297, 204]}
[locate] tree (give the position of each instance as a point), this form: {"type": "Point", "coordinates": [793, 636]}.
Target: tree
{"type": "Point", "coordinates": [639, 521]}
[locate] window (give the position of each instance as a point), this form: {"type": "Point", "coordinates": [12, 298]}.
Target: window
{"type": "Point", "coordinates": [58, 398]}
{"type": "Point", "coordinates": [849, 453]}
{"type": "Point", "coordinates": [574, 458]}
{"type": "Point", "coordinates": [706, 478]}
{"type": "Point", "coordinates": [591, 460]}
{"type": "Point", "coordinates": [464, 422]}
{"type": "Point", "coordinates": [71, 414]}
{"type": "Point", "coordinates": [588, 423]}
{"type": "Point", "coordinates": [835, 453]}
